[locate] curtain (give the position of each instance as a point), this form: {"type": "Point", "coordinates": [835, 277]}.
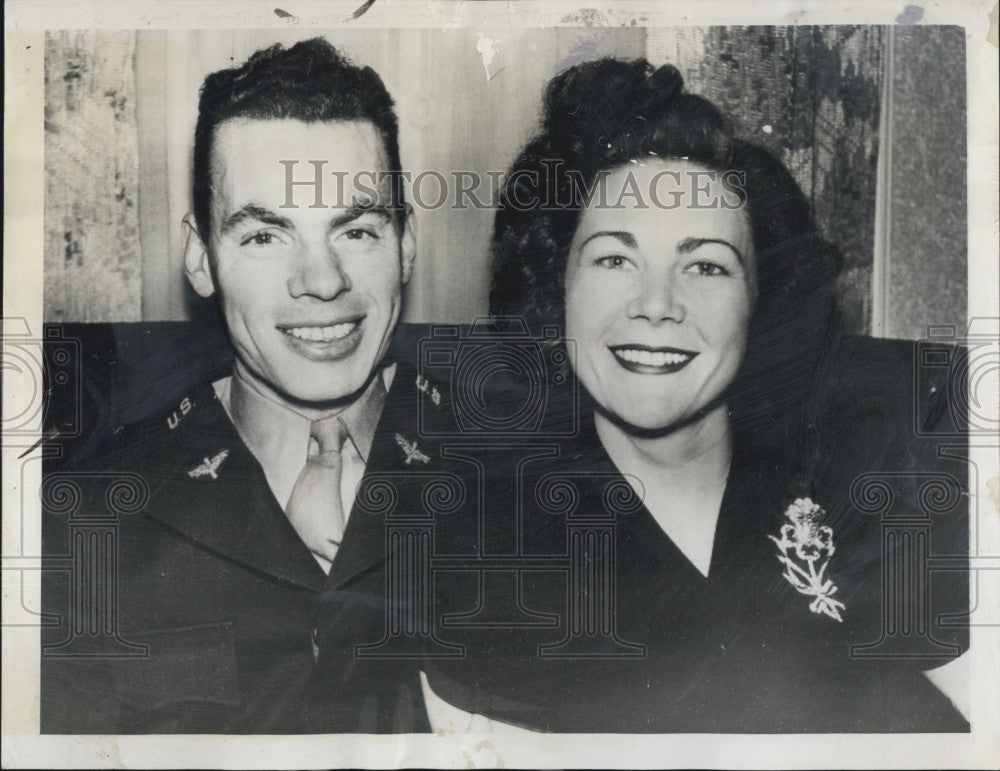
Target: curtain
{"type": "Point", "coordinates": [812, 95]}
{"type": "Point", "coordinates": [92, 261]}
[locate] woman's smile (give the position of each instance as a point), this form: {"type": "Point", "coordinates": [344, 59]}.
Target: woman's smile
{"type": "Point", "coordinates": [647, 360]}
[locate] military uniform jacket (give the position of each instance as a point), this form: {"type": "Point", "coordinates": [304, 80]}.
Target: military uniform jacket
{"type": "Point", "coordinates": [183, 601]}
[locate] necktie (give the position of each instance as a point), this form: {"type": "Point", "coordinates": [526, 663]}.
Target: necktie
{"type": "Point", "coordinates": [314, 508]}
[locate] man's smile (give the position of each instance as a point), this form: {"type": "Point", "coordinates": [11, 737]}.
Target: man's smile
{"type": "Point", "coordinates": [324, 341]}
{"type": "Point", "coordinates": [321, 332]}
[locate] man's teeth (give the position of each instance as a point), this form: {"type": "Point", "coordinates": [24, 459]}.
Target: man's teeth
{"type": "Point", "coordinates": [323, 334]}
{"type": "Point", "coordinates": [652, 358]}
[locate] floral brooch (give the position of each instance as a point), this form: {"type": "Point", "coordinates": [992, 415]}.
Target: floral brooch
{"type": "Point", "coordinates": [805, 548]}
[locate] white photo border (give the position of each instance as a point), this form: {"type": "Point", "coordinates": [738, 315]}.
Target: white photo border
{"type": "Point", "coordinates": [26, 22]}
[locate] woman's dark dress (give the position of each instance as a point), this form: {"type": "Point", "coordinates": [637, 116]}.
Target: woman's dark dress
{"type": "Point", "coordinates": [740, 650]}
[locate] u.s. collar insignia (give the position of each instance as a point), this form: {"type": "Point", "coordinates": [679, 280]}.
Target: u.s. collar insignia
{"type": "Point", "coordinates": [174, 419]}
{"type": "Point", "coordinates": [410, 448]}
{"type": "Point", "coordinates": [425, 387]}
{"type": "Point", "coordinates": [209, 467]}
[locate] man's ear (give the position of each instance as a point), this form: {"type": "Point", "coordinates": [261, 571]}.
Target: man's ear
{"type": "Point", "coordinates": [196, 267]}
{"type": "Point", "coordinates": [408, 244]}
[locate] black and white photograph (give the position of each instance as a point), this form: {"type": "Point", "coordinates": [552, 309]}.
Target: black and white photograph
{"type": "Point", "coordinates": [501, 384]}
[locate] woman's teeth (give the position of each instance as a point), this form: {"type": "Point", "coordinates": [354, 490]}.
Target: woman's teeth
{"type": "Point", "coordinates": [323, 334]}
{"type": "Point", "coordinates": [652, 358]}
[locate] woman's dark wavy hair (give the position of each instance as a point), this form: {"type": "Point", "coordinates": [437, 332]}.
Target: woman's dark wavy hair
{"type": "Point", "coordinates": [602, 114]}
{"type": "Point", "coordinates": [310, 82]}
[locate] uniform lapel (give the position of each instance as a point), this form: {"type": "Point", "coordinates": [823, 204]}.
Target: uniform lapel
{"type": "Point", "coordinates": [363, 550]}
{"type": "Point", "coordinates": [214, 492]}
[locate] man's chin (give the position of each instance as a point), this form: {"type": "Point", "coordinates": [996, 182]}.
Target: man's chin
{"type": "Point", "coordinates": [323, 395]}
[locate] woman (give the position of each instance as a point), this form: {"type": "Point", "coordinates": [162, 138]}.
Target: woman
{"type": "Point", "coordinates": [739, 588]}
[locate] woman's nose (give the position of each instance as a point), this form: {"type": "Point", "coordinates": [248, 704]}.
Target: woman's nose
{"type": "Point", "coordinates": [318, 273]}
{"type": "Point", "coordinates": [656, 300]}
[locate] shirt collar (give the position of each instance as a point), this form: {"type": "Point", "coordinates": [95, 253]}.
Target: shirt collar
{"type": "Point", "coordinates": [278, 436]}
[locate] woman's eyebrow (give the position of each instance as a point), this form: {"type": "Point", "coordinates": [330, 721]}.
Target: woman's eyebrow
{"type": "Point", "coordinates": [627, 239]}
{"type": "Point", "coordinates": [688, 245]}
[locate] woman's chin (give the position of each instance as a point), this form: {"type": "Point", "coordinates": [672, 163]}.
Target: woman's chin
{"type": "Point", "coordinates": [655, 420]}
{"type": "Point", "coordinates": [645, 421]}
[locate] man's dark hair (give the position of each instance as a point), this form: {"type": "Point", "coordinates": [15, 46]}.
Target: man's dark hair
{"type": "Point", "coordinates": [602, 114]}
{"type": "Point", "coordinates": [310, 82]}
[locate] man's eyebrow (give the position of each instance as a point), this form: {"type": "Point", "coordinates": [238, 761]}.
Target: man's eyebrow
{"type": "Point", "coordinates": [627, 239]}
{"type": "Point", "coordinates": [688, 245]}
{"type": "Point", "coordinates": [256, 212]}
{"type": "Point", "coordinates": [359, 208]}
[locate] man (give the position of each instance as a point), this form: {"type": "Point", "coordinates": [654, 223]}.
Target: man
{"type": "Point", "coordinates": [243, 520]}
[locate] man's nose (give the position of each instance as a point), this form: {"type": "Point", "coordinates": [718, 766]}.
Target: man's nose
{"type": "Point", "coordinates": [657, 299]}
{"type": "Point", "coordinates": [318, 273]}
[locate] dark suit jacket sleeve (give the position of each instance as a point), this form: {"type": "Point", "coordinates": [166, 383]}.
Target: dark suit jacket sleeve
{"type": "Point", "coordinates": [73, 689]}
